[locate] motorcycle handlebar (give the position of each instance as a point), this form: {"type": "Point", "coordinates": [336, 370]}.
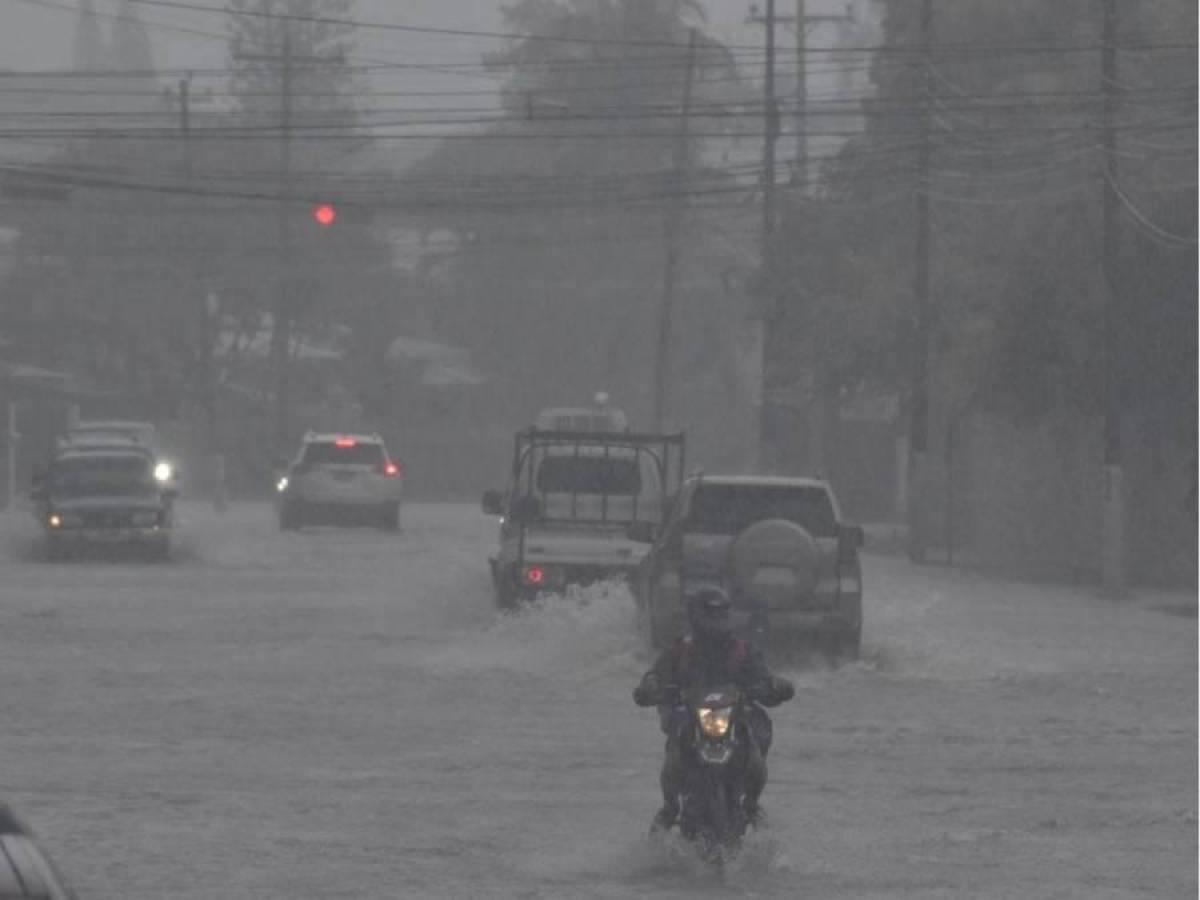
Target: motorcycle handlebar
{"type": "Point", "coordinates": [773, 692]}
{"type": "Point", "coordinates": [769, 693]}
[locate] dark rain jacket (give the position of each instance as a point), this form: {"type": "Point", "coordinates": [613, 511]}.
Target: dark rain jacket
{"type": "Point", "coordinates": [690, 663]}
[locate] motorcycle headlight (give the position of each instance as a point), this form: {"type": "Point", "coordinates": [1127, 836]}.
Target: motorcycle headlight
{"type": "Point", "coordinates": [64, 520]}
{"type": "Point", "coordinates": [162, 472]}
{"type": "Point", "coordinates": [714, 723]}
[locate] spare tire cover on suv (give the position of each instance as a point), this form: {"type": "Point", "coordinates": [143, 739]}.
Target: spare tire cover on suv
{"type": "Point", "coordinates": [774, 560]}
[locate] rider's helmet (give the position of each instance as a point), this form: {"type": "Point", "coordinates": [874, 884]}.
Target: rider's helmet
{"type": "Point", "coordinates": [709, 611]}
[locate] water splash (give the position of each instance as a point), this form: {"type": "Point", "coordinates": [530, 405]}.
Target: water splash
{"type": "Point", "coordinates": [587, 631]}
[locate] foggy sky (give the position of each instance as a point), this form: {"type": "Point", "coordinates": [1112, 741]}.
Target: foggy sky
{"type": "Point", "coordinates": [37, 37]}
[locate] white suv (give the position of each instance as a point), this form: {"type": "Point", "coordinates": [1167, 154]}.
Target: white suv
{"type": "Point", "coordinates": [341, 479]}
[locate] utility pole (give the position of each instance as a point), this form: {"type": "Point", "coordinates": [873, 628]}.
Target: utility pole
{"type": "Point", "coordinates": [185, 121]}
{"type": "Point", "coordinates": [673, 226]}
{"type": "Point", "coordinates": [281, 311]}
{"type": "Point", "coordinates": [819, 411]}
{"type": "Point", "coordinates": [770, 280]}
{"type": "Point", "coordinates": [801, 165]}
{"type": "Point", "coordinates": [1113, 562]}
{"type": "Point", "coordinates": [281, 330]}
{"type": "Point", "coordinates": [803, 20]}
{"type": "Point", "coordinates": [202, 313]}
{"type": "Point", "coordinates": [12, 443]}
{"type": "Point", "coordinates": [918, 421]}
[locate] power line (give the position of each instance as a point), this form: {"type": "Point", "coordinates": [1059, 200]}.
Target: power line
{"type": "Point", "coordinates": [832, 96]}
{"type": "Point", "coordinates": [342, 132]}
{"type": "Point", "coordinates": [1033, 102]}
{"type": "Point", "coordinates": [973, 49]}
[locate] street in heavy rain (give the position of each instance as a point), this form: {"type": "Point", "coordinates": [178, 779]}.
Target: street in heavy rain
{"type": "Point", "coordinates": [469, 449]}
{"type": "Point", "coordinates": [344, 713]}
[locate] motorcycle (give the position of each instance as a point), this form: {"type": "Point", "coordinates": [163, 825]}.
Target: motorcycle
{"type": "Point", "coordinates": [715, 745]}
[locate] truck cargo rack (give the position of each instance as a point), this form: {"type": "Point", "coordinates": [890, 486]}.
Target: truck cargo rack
{"type": "Point", "coordinates": [665, 451]}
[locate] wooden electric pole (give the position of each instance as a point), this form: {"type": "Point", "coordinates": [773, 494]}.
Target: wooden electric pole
{"type": "Point", "coordinates": [918, 413]}
{"type": "Point", "coordinates": [673, 226]}
{"type": "Point", "coordinates": [1113, 550]}
{"type": "Point", "coordinates": [282, 313]}
{"type": "Point", "coordinates": [770, 276]}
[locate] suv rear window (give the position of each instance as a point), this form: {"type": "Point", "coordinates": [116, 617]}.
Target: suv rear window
{"type": "Point", "coordinates": [589, 475]}
{"type": "Point", "coordinates": [359, 453]}
{"type": "Point", "coordinates": [728, 509]}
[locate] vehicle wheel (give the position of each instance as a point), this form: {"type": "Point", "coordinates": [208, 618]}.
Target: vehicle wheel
{"type": "Point", "coordinates": [721, 838]}
{"type": "Point", "coordinates": [507, 597]}
{"type": "Point", "coordinates": [289, 517]}
{"type": "Point", "coordinates": [852, 644]}
{"type": "Point", "coordinates": [844, 646]}
{"type": "Point", "coordinates": [159, 552]}
{"type": "Point", "coordinates": [390, 519]}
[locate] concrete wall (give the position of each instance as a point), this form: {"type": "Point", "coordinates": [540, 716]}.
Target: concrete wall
{"type": "Point", "coordinates": [1025, 499]}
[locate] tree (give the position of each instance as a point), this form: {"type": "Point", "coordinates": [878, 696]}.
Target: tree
{"type": "Point", "coordinates": [1017, 112]}
{"type": "Point", "coordinates": [560, 205]}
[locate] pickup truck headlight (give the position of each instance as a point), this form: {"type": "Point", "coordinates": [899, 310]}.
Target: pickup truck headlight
{"type": "Point", "coordinates": [163, 472]}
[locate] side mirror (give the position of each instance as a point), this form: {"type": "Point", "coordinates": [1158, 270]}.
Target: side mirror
{"type": "Point", "coordinates": [641, 532]}
{"type": "Point", "coordinates": [493, 503]}
{"type": "Point", "coordinates": [526, 508]}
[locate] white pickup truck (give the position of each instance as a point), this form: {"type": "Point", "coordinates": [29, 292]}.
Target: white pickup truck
{"type": "Point", "coordinates": [580, 507]}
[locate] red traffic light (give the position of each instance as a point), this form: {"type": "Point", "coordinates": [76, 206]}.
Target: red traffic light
{"type": "Point", "coordinates": [325, 215]}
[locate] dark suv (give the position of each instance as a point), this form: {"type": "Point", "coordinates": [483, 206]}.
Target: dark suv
{"type": "Point", "coordinates": [104, 497]}
{"type": "Point", "coordinates": [777, 544]}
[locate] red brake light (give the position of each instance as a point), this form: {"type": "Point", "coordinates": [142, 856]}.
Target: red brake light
{"type": "Point", "coordinates": [535, 575]}
{"type": "Point", "coordinates": [345, 443]}
{"type": "Point", "coordinates": [393, 470]}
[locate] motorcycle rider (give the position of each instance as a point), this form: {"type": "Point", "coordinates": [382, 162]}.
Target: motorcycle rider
{"type": "Point", "coordinates": [711, 654]}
